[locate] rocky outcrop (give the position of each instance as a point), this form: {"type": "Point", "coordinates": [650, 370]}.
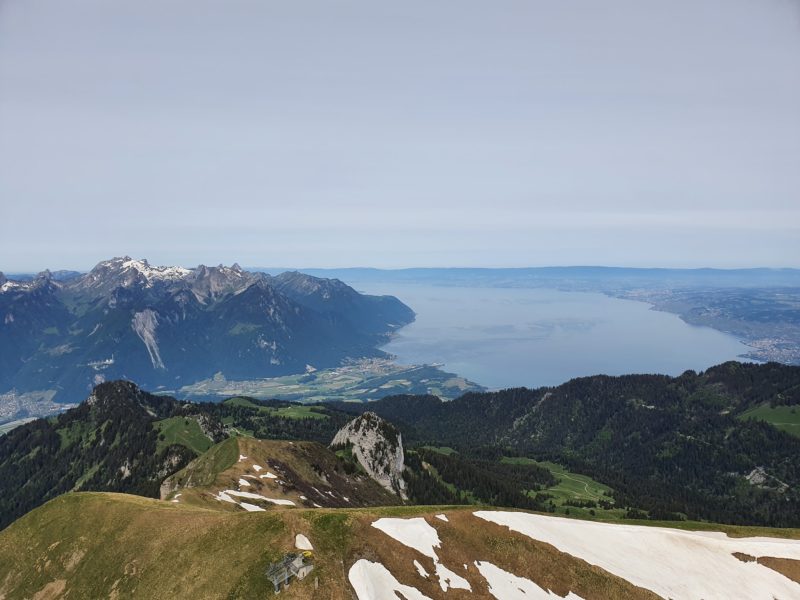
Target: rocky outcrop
{"type": "Point", "coordinates": [378, 447]}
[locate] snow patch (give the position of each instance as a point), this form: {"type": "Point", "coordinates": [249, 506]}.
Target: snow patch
{"type": "Point", "coordinates": [251, 507]}
{"type": "Point", "coordinates": [269, 475]}
{"type": "Point", "coordinates": [244, 482]}
{"type": "Point", "coordinates": [373, 581]}
{"type": "Point", "coordinates": [253, 496]}
{"type": "Point", "coordinates": [442, 518]}
{"type": "Point", "coordinates": [223, 497]}
{"type": "Point", "coordinates": [416, 533]}
{"type": "Point", "coordinates": [507, 586]}
{"type": "Point", "coordinates": [448, 579]}
{"type": "Point", "coordinates": [301, 542]}
{"type": "Point", "coordinates": [242, 457]}
{"type": "Point", "coordinates": [257, 468]}
{"type": "Point", "coordinates": [672, 563]}
{"type": "Point", "coordinates": [420, 569]}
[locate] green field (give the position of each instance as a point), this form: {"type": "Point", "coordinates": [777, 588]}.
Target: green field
{"type": "Point", "coordinates": [183, 431]}
{"type": "Point", "coordinates": [287, 412]}
{"type": "Point", "coordinates": [360, 380]}
{"type": "Point", "coordinates": [573, 487]}
{"type": "Point", "coordinates": [446, 450]}
{"type": "Point", "coordinates": [785, 418]}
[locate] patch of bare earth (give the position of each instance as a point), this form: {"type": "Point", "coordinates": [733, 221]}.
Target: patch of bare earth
{"type": "Point", "coordinates": [52, 590]}
{"type": "Point", "coordinates": [785, 566]}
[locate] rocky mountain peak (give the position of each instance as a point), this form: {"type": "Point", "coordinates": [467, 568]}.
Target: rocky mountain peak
{"type": "Point", "coordinates": [378, 447]}
{"type": "Point", "coordinates": [168, 326]}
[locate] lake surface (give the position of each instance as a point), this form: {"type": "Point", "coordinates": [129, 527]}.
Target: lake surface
{"type": "Point", "coordinates": [508, 337]}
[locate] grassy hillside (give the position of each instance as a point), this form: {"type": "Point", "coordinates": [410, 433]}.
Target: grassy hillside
{"type": "Point", "coordinates": [107, 443]}
{"type": "Point", "coordinates": [303, 474]}
{"type": "Point", "coordinates": [785, 418]}
{"type": "Point", "coordinates": [295, 411]}
{"type": "Point", "coordinates": [102, 545]}
{"type": "Point", "coordinates": [574, 494]}
{"type": "Point", "coordinates": [183, 431]}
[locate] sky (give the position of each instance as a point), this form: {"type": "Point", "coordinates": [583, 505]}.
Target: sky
{"type": "Point", "coordinates": [369, 133]}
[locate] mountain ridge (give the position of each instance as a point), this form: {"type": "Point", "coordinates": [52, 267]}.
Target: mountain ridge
{"type": "Point", "coordinates": [168, 326]}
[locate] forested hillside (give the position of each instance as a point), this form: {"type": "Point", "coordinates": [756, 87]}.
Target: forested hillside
{"type": "Point", "coordinates": [675, 447]}
{"type": "Point", "coordinates": [634, 446]}
{"type": "Point", "coordinates": [122, 439]}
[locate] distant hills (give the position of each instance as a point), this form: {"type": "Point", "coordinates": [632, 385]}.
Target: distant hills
{"type": "Point", "coordinates": [708, 446]}
{"type": "Point", "coordinates": [123, 439]}
{"type": "Point", "coordinates": [594, 278]}
{"type": "Point", "coordinates": [171, 326]}
{"type": "Point", "coordinates": [702, 446]}
{"type": "Point", "coordinates": [236, 486]}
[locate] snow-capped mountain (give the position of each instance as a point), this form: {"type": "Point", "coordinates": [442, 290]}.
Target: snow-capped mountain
{"type": "Point", "coordinates": [169, 326]}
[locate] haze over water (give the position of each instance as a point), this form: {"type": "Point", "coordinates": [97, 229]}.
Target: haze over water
{"type": "Point", "coordinates": [509, 337]}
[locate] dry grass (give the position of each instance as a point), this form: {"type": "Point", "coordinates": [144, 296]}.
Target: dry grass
{"type": "Point", "coordinates": [96, 545]}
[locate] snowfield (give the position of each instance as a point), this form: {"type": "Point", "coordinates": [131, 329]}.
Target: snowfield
{"type": "Point", "coordinates": [373, 581]}
{"type": "Point", "coordinates": [676, 564]}
{"type": "Point", "coordinates": [507, 586]}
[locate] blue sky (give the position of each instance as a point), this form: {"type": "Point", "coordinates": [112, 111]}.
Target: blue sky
{"type": "Point", "coordinates": [362, 133]}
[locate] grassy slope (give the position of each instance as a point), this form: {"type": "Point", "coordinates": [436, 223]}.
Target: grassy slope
{"type": "Point", "coordinates": [301, 467]}
{"type": "Point", "coordinates": [287, 412]}
{"type": "Point", "coordinates": [97, 545]}
{"type": "Point", "coordinates": [573, 486]}
{"type": "Point", "coordinates": [446, 450]}
{"type": "Point", "coordinates": [206, 469]}
{"type": "Point", "coordinates": [184, 431]}
{"type": "Point", "coordinates": [785, 418]}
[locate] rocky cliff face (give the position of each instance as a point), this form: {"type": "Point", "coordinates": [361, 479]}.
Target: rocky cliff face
{"type": "Point", "coordinates": [378, 447]}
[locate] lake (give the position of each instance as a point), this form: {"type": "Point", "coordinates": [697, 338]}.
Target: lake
{"type": "Point", "coordinates": [508, 337]}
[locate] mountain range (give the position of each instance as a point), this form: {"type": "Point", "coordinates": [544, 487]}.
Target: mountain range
{"type": "Point", "coordinates": [171, 326]}
{"type": "Point", "coordinates": [238, 487]}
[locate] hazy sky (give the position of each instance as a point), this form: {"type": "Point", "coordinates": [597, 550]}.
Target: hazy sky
{"type": "Point", "coordinates": [390, 134]}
